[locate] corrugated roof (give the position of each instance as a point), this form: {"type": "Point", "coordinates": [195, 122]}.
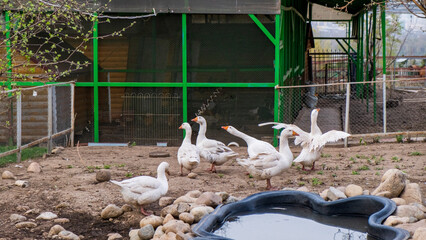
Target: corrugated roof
{"type": "Point", "coordinates": [353, 8]}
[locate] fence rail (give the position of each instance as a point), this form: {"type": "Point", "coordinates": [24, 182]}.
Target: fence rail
{"type": "Point", "coordinates": [369, 109]}
{"type": "Point", "coordinates": [55, 107]}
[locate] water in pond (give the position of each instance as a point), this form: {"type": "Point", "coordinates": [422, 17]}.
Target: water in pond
{"type": "Point", "coordinates": [293, 223]}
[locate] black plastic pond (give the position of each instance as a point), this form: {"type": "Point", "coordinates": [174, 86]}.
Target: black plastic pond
{"type": "Point", "coordinates": [300, 215]}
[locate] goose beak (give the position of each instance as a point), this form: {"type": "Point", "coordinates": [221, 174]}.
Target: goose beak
{"type": "Point", "coordinates": [225, 127]}
{"type": "Point", "coordinates": [194, 119]}
{"type": "Point", "coordinates": [317, 109]}
{"type": "Point", "coordinates": [181, 127]}
{"type": "Point", "coordinates": [295, 133]}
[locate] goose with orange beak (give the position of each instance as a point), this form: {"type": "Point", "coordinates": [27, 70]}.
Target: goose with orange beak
{"type": "Point", "coordinates": [312, 143]}
{"type": "Point", "coordinates": [264, 161]}
{"type": "Point", "coordinates": [188, 155]}
{"type": "Point", "coordinates": [215, 152]}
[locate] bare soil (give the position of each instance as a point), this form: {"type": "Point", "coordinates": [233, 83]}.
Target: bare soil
{"type": "Point", "coordinates": [67, 185]}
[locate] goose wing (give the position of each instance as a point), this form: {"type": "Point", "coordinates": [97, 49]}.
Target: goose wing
{"type": "Point", "coordinates": [330, 136]}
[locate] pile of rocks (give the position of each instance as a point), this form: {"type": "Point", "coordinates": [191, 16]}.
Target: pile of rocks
{"type": "Point", "coordinates": [410, 213]}
{"type": "Point", "coordinates": [177, 217]}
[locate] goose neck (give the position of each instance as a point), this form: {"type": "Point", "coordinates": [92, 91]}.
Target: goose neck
{"type": "Point", "coordinates": [187, 138]}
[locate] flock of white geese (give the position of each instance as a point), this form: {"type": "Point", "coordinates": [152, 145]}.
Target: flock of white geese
{"type": "Point", "coordinates": [263, 161]}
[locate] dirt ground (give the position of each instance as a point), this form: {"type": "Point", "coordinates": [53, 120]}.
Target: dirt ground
{"type": "Point", "coordinates": [67, 186]}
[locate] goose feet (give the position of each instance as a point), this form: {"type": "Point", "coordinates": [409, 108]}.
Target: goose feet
{"type": "Point", "coordinates": [146, 213]}
{"type": "Point", "coordinates": [181, 171]}
{"type": "Point", "coordinates": [269, 186]}
{"type": "Point", "coordinates": [212, 169]}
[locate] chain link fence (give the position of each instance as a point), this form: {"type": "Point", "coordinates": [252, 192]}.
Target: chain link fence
{"type": "Point", "coordinates": [358, 107]}
{"type": "Point", "coordinates": [32, 116]}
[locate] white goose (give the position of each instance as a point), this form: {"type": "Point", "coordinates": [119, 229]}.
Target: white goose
{"type": "Point", "coordinates": [215, 152]}
{"type": "Point", "coordinates": [266, 163]}
{"type": "Point", "coordinates": [312, 143]}
{"type": "Point", "coordinates": [143, 190]}
{"type": "Point", "coordinates": [188, 155]}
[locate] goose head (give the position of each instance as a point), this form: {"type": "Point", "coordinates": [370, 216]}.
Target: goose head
{"type": "Point", "coordinates": [230, 129]}
{"type": "Point", "coordinates": [286, 133]}
{"type": "Point", "coordinates": [314, 114]}
{"type": "Point", "coordinates": [185, 126]}
{"type": "Point", "coordinates": [200, 120]}
{"type": "Point", "coordinates": [163, 168]}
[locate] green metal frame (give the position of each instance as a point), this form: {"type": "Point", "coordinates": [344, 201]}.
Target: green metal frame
{"type": "Point", "coordinates": [288, 60]}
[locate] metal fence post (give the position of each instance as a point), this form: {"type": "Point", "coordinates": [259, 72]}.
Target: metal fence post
{"type": "Point", "coordinates": [348, 99]}
{"type": "Point", "coordinates": [49, 119]}
{"type": "Point", "coordinates": [18, 125]}
{"type": "Point", "coordinates": [72, 89]}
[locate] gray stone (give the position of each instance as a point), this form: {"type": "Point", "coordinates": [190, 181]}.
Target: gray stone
{"type": "Point", "coordinates": [34, 167]}
{"type": "Point", "coordinates": [159, 232]}
{"type": "Point", "coordinates": [194, 193]}
{"type": "Point", "coordinates": [114, 236]}
{"type": "Point", "coordinates": [166, 210]}
{"type": "Point", "coordinates": [200, 212]}
{"type": "Point", "coordinates": [22, 183]}
{"type": "Point", "coordinates": [103, 176]}
{"type": "Point", "coordinates": [185, 199]}
{"type": "Point", "coordinates": [111, 211]}
{"type": "Point", "coordinates": [165, 201]}
{"type": "Point", "coordinates": [412, 193]}
{"type": "Point", "coordinates": [392, 182]}
{"type": "Point", "coordinates": [46, 216]}
{"type": "Point", "coordinates": [420, 234]}
{"type": "Point", "coordinates": [419, 206]}
{"type": "Point", "coordinates": [133, 234]}
{"type": "Point", "coordinates": [192, 175]}
{"type": "Point", "coordinates": [399, 201]}
{"type": "Point", "coordinates": [146, 232]}
{"type": "Point", "coordinates": [323, 194]}
{"type": "Point", "coordinates": [168, 218]}
{"type": "Point", "coordinates": [179, 208]}
{"type": "Point", "coordinates": [409, 211]}
{"type": "Point", "coordinates": [176, 226]}
{"type": "Point", "coordinates": [152, 220]}
{"type": "Point", "coordinates": [411, 227]}
{"type": "Point", "coordinates": [169, 236]}
{"type": "Point", "coordinates": [353, 190]}
{"type": "Point", "coordinates": [67, 235]}
{"type": "Point", "coordinates": [61, 220]}
{"type": "Point", "coordinates": [394, 220]}
{"type": "Point", "coordinates": [186, 217]}
{"type": "Point", "coordinates": [17, 218]}
{"type": "Point", "coordinates": [231, 199]}
{"type": "Point", "coordinates": [209, 199]}
{"type": "Point", "coordinates": [223, 195]}
{"type": "Point", "coordinates": [366, 192]}
{"type": "Point", "coordinates": [303, 189]}
{"type": "Point", "coordinates": [334, 194]}
{"type": "Point", "coordinates": [7, 175]}
{"type": "Point", "coordinates": [55, 230]}
{"type": "Point", "coordinates": [126, 208]}
{"type": "Point", "coordinates": [26, 225]}
{"type": "Point", "coordinates": [341, 188]}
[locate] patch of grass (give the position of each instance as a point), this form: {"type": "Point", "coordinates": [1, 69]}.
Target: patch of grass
{"type": "Point", "coordinates": [415, 154]}
{"type": "Point", "coordinates": [293, 164]}
{"type": "Point", "coordinates": [250, 176]}
{"type": "Point", "coordinates": [361, 156]}
{"type": "Point", "coordinates": [298, 168]}
{"type": "Point", "coordinates": [378, 161]}
{"type": "Point", "coordinates": [90, 167]}
{"type": "Point", "coordinates": [28, 153]}
{"type": "Point", "coordinates": [120, 165]}
{"type": "Point", "coordinates": [362, 142]}
{"type": "Point", "coordinates": [337, 168]}
{"type": "Point", "coordinates": [376, 139]}
{"type": "Point", "coordinates": [69, 166]}
{"type": "Point", "coordinates": [97, 167]}
{"type": "Point", "coordinates": [363, 168]}
{"type": "Point", "coordinates": [397, 167]}
{"type": "Point", "coordinates": [220, 175]}
{"type": "Point", "coordinates": [353, 160]}
{"type": "Point", "coordinates": [334, 175]}
{"type": "Point", "coordinates": [396, 159]}
{"type": "Point", "coordinates": [355, 173]}
{"type": "Point", "coordinates": [107, 166]}
{"type": "Point", "coordinates": [316, 182]}
{"type": "Point", "coordinates": [301, 183]}
{"type": "Point", "coordinates": [325, 155]}
{"type": "Point", "coordinates": [129, 174]}
{"type": "Point", "coordinates": [377, 174]}
{"type": "Point", "coordinates": [399, 138]}
{"type": "Point", "coordinates": [379, 168]}
{"type": "Point", "coordinates": [133, 144]}
{"type": "Point", "coordinates": [320, 172]}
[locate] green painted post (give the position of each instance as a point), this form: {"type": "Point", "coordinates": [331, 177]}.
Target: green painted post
{"type": "Point", "coordinates": [383, 14]}
{"type": "Point", "coordinates": [367, 56]}
{"type": "Point", "coordinates": [8, 52]}
{"type": "Point", "coordinates": [361, 65]}
{"type": "Point", "coordinates": [277, 73]}
{"type": "Point", "coordinates": [184, 70]}
{"type": "Point", "coordinates": [374, 61]}
{"type": "Point", "coordinates": [95, 81]}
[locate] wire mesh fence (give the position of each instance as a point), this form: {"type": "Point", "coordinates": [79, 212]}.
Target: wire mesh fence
{"type": "Point", "coordinates": [36, 115]}
{"type": "Point", "coordinates": [359, 108]}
